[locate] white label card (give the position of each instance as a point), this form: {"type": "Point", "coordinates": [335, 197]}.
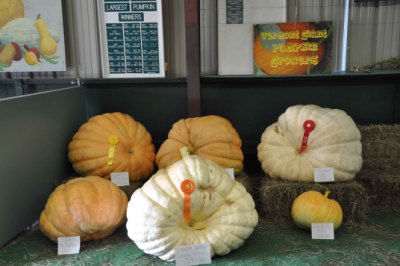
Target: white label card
{"type": "Point", "coordinates": [68, 245]}
{"type": "Point", "coordinates": [193, 254]}
{"type": "Point", "coordinates": [322, 231]}
{"type": "Point", "coordinates": [121, 179]}
{"type": "Point", "coordinates": [325, 174]}
{"type": "Point", "coordinates": [230, 172]}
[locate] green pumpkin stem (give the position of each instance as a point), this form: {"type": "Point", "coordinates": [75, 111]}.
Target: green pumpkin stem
{"type": "Point", "coordinates": [327, 193]}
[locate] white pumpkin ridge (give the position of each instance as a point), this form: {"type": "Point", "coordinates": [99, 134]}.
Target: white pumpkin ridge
{"type": "Point", "coordinates": [335, 142]}
{"type": "Point", "coordinates": [222, 211]}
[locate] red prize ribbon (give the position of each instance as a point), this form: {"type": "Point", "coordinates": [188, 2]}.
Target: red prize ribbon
{"type": "Point", "coordinates": [308, 126]}
{"type": "Point", "coordinates": [187, 187]}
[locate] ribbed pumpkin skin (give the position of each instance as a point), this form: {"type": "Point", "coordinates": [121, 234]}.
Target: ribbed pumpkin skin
{"type": "Point", "coordinates": [135, 152]}
{"type": "Point", "coordinates": [222, 212]}
{"type": "Point", "coordinates": [9, 10]}
{"type": "Point", "coordinates": [89, 207]}
{"type": "Point", "coordinates": [313, 207]}
{"type": "Point", "coordinates": [335, 142]}
{"type": "Point", "coordinates": [212, 137]}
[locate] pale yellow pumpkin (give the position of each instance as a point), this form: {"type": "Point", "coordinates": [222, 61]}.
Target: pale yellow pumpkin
{"type": "Point", "coordinates": [212, 137]}
{"type": "Point", "coordinates": [313, 207]}
{"type": "Point", "coordinates": [89, 207]}
{"type": "Point", "coordinates": [131, 150]}
{"type": "Point", "coordinates": [222, 213]}
{"type": "Point", "coordinates": [334, 143]}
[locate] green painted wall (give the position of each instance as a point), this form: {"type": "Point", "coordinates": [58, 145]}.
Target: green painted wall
{"type": "Point", "coordinates": [157, 105]}
{"type": "Point", "coordinates": [35, 131]}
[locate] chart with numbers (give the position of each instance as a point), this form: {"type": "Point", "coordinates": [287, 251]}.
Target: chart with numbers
{"type": "Point", "coordinates": [131, 38]}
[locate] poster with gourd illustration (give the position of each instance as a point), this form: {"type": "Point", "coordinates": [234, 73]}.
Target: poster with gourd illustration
{"type": "Point", "coordinates": [31, 36]}
{"type": "Point", "coordinates": [292, 48]}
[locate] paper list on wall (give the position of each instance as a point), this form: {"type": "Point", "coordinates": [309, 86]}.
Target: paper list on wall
{"type": "Point", "coordinates": [132, 41]}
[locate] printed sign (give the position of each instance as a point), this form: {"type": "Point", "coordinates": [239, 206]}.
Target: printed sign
{"type": "Point", "coordinates": [324, 174]}
{"type": "Point", "coordinates": [68, 245]}
{"type": "Point", "coordinates": [234, 11]}
{"type": "Point", "coordinates": [120, 179]}
{"type": "Point", "coordinates": [197, 254]}
{"type": "Point", "coordinates": [292, 48]}
{"type": "Point", "coordinates": [131, 38]}
{"type": "Point", "coordinates": [31, 37]}
{"type": "Point", "coordinates": [322, 231]}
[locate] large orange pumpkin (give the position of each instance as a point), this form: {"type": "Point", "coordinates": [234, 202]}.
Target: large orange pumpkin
{"type": "Point", "coordinates": [263, 57]}
{"type": "Point", "coordinates": [89, 207]}
{"type": "Point", "coordinates": [212, 137]}
{"type": "Point", "coordinates": [112, 142]}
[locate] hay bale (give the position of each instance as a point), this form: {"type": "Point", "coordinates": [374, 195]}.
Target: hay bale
{"type": "Point", "coordinates": [276, 198]}
{"type": "Point", "coordinates": [381, 164]}
{"type": "Point", "coordinates": [380, 141]}
{"type": "Point", "coordinates": [250, 183]}
{"type": "Point", "coordinates": [383, 187]}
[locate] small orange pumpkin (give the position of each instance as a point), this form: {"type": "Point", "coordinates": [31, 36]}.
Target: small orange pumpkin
{"type": "Point", "coordinates": [90, 207]}
{"type": "Point", "coordinates": [212, 137]}
{"type": "Point", "coordinates": [313, 207]}
{"type": "Point", "coordinates": [112, 142]}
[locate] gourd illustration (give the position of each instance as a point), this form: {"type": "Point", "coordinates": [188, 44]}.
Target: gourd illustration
{"type": "Point", "coordinates": [335, 142]}
{"type": "Point", "coordinates": [219, 211]}
{"type": "Point", "coordinates": [32, 55]}
{"type": "Point", "coordinates": [23, 31]}
{"type": "Point", "coordinates": [212, 137]}
{"type": "Point", "coordinates": [89, 207]}
{"type": "Point", "coordinates": [313, 207]}
{"type": "Point", "coordinates": [48, 45]}
{"type": "Point", "coordinates": [10, 10]}
{"type": "Point", "coordinates": [8, 54]}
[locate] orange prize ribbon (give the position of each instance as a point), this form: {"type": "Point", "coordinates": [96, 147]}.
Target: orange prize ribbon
{"type": "Point", "coordinates": [187, 187]}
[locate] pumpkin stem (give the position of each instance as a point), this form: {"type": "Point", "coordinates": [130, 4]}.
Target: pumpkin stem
{"type": "Point", "coordinates": [327, 193]}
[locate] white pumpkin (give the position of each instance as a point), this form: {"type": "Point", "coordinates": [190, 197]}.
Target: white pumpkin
{"type": "Point", "coordinates": [222, 212]}
{"type": "Point", "coordinates": [334, 142]}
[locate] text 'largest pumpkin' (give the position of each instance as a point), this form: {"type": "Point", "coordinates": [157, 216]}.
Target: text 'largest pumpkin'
{"type": "Point", "coordinates": [112, 142]}
{"type": "Point", "coordinates": [222, 212]}
{"type": "Point", "coordinates": [212, 137]}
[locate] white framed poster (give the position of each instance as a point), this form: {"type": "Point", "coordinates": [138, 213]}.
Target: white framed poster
{"type": "Point", "coordinates": [131, 38]}
{"type": "Point", "coordinates": [31, 36]}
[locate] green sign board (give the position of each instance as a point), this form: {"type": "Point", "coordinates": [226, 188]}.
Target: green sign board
{"type": "Point", "coordinates": [131, 39]}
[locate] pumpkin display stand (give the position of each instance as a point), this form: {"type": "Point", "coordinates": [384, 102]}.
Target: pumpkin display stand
{"type": "Point", "coordinates": [276, 198]}
{"type": "Point", "coordinates": [381, 165]}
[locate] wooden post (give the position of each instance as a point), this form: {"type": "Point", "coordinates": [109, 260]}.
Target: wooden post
{"type": "Point", "coordinates": [192, 31]}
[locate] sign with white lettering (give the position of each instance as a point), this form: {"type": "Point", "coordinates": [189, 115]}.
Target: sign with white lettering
{"type": "Point", "coordinates": [131, 38]}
